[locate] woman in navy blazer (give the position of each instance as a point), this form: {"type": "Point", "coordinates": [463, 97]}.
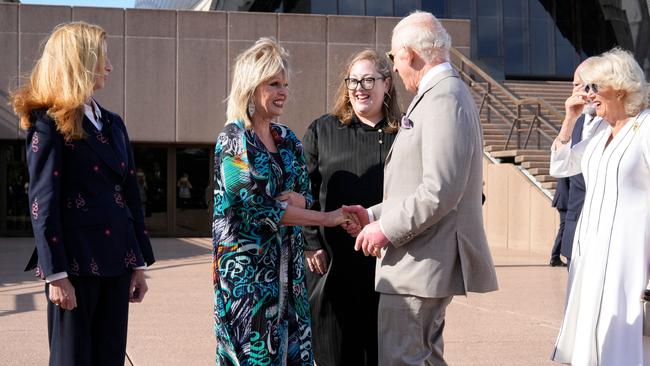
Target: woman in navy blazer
{"type": "Point", "coordinates": [91, 244]}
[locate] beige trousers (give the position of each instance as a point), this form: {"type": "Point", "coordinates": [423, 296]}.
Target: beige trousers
{"type": "Point", "coordinates": [410, 330]}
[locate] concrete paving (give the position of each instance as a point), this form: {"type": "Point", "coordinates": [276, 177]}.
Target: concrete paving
{"type": "Point", "coordinates": [516, 325]}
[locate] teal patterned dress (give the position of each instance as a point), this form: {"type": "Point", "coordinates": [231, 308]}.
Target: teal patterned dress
{"type": "Point", "coordinates": [261, 303]}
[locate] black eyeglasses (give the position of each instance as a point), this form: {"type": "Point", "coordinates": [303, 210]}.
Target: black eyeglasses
{"type": "Point", "coordinates": [593, 87]}
{"type": "Point", "coordinates": [366, 83]}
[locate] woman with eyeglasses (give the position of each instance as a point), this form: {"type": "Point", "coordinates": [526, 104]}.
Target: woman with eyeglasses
{"type": "Point", "coordinates": [345, 152]}
{"type": "Point", "coordinates": [603, 320]}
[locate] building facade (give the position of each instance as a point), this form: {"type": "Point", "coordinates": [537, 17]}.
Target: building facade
{"type": "Point", "coordinates": [171, 75]}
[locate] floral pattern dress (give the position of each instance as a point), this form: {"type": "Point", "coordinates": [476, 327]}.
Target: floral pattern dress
{"type": "Point", "coordinates": [261, 304]}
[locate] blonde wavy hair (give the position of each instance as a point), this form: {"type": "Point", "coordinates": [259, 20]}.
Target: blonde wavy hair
{"type": "Point", "coordinates": [63, 78]}
{"type": "Point", "coordinates": [265, 59]}
{"type": "Point", "coordinates": [343, 108]}
{"type": "Point", "coordinates": [619, 70]}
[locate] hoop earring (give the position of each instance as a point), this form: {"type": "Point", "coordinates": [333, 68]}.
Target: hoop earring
{"type": "Point", "coordinates": [251, 108]}
{"type": "Point", "coordinates": [387, 99]}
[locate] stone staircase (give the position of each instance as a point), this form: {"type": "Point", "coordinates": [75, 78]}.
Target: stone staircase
{"type": "Point", "coordinates": [520, 119]}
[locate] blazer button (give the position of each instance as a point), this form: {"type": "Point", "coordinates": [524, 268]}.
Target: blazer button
{"type": "Point", "coordinates": [118, 188]}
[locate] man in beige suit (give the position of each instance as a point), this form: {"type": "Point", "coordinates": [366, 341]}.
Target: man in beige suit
{"type": "Point", "coordinates": [429, 227]}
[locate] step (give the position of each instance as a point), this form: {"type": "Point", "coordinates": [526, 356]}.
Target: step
{"type": "Point", "coordinates": [523, 158]}
{"type": "Point", "coordinates": [537, 171]}
{"type": "Point", "coordinates": [545, 178]}
{"type": "Point", "coordinates": [515, 152]}
{"type": "Point", "coordinates": [493, 148]}
{"type": "Point", "coordinates": [535, 164]}
{"type": "Point", "coordinates": [549, 185]}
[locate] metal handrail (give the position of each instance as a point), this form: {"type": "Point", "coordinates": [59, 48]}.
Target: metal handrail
{"type": "Point", "coordinates": [532, 105]}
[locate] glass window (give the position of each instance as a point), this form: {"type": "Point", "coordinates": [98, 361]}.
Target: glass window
{"type": "Point", "coordinates": [351, 7]}
{"type": "Point", "coordinates": [193, 191]}
{"type": "Point", "coordinates": [14, 179]}
{"type": "Point", "coordinates": [565, 55]}
{"type": "Point", "coordinates": [540, 47]}
{"type": "Point", "coordinates": [323, 6]}
{"type": "Point", "coordinates": [461, 8]}
{"type": "Point", "coordinates": [488, 37]}
{"type": "Point", "coordinates": [537, 10]}
{"type": "Point", "coordinates": [435, 7]}
{"type": "Point", "coordinates": [487, 8]}
{"type": "Point", "coordinates": [151, 173]}
{"type": "Point", "coordinates": [514, 8]}
{"type": "Point", "coordinates": [513, 47]}
{"type": "Point", "coordinates": [379, 7]}
{"type": "Point", "coordinates": [405, 7]}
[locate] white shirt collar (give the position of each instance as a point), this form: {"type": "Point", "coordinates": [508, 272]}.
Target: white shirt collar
{"type": "Point", "coordinates": [88, 111]}
{"type": "Point", "coordinates": [431, 73]}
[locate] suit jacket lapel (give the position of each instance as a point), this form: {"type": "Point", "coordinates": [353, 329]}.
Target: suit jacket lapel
{"type": "Point", "coordinates": [100, 143]}
{"type": "Point", "coordinates": [430, 85]}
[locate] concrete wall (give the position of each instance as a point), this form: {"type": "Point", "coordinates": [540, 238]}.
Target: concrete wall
{"type": "Point", "coordinates": [517, 215]}
{"type": "Point", "coordinates": [172, 68]}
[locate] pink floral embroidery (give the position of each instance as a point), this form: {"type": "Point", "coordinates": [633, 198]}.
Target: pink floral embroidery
{"type": "Point", "coordinates": [130, 259]}
{"type": "Point", "coordinates": [35, 209]}
{"type": "Point", "coordinates": [39, 272]}
{"type": "Point", "coordinates": [69, 145]}
{"type": "Point", "coordinates": [55, 239]}
{"type": "Point", "coordinates": [94, 268]}
{"type": "Point", "coordinates": [122, 164]}
{"type": "Point", "coordinates": [74, 267]}
{"type": "Point", "coordinates": [101, 138]}
{"type": "Point", "coordinates": [146, 232]}
{"type": "Point", "coordinates": [131, 171]}
{"type": "Point", "coordinates": [96, 168]}
{"type": "Point", "coordinates": [35, 142]}
{"type": "Point", "coordinates": [55, 173]}
{"type": "Point", "coordinates": [80, 202]}
{"type": "Point", "coordinates": [118, 199]}
{"type": "Point", "coordinates": [107, 232]}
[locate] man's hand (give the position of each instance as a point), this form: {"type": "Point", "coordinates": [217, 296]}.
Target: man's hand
{"type": "Point", "coordinates": [371, 240]}
{"type": "Point", "coordinates": [62, 294]}
{"type": "Point", "coordinates": [317, 261]}
{"type": "Point", "coordinates": [354, 228]}
{"type": "Point", "coordinates": [138, 287]}
{"type": "Point", "coordinates": [292, 198]}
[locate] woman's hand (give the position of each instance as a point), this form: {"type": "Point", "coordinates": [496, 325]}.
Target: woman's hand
{"type": "Point", "coordinates": [317, 261]}
{"type": "Point", "coordinates": [574, 105]}
{"type": "Point", "coordinates": [294, 199]}
{"type": "Point", "coordinates": [62, 294]}
{"type": "Point", "coordinates": [339, 217]}
{"type": "Point", "coordinates": [138, 286]}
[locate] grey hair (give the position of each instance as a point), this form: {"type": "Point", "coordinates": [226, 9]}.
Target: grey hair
{"type": "Point", "coordinates": [618, 69]}
{"type": "Point", "coordinates": [423, 32]}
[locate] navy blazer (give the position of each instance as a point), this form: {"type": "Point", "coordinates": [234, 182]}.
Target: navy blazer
{"type": "Point", "coordinates": [84, 201]}
{"type": "Point", "coordinates": [577, 185]}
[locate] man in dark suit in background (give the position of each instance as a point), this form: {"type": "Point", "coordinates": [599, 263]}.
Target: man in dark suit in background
{"type": "Point", "coordinates": [575, 185]}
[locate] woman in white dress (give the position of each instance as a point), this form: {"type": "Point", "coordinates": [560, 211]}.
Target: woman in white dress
{"type": "Point", "coordinates": [611, 251]}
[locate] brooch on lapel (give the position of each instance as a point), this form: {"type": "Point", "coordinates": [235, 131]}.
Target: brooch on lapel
{"type": "Point", "coordinates": [406, 123]}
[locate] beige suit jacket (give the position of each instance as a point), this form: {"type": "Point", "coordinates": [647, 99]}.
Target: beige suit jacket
{"type": "Point", "coordinates": [431, 211]}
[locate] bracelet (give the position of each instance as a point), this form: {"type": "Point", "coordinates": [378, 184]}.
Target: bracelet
{"type": "Point", "coordinates": [563, 142]}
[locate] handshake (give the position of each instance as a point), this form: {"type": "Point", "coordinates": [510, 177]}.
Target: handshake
{"type": "Point", "coordinates": [355, 220]}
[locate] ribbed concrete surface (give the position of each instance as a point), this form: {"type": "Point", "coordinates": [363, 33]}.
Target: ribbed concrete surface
{"type": "Point", "coordinates": [514, 326]}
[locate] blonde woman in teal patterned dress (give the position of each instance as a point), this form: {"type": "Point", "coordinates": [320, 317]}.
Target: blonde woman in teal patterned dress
{"type": "Point", "coordinates": [261, 197]}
